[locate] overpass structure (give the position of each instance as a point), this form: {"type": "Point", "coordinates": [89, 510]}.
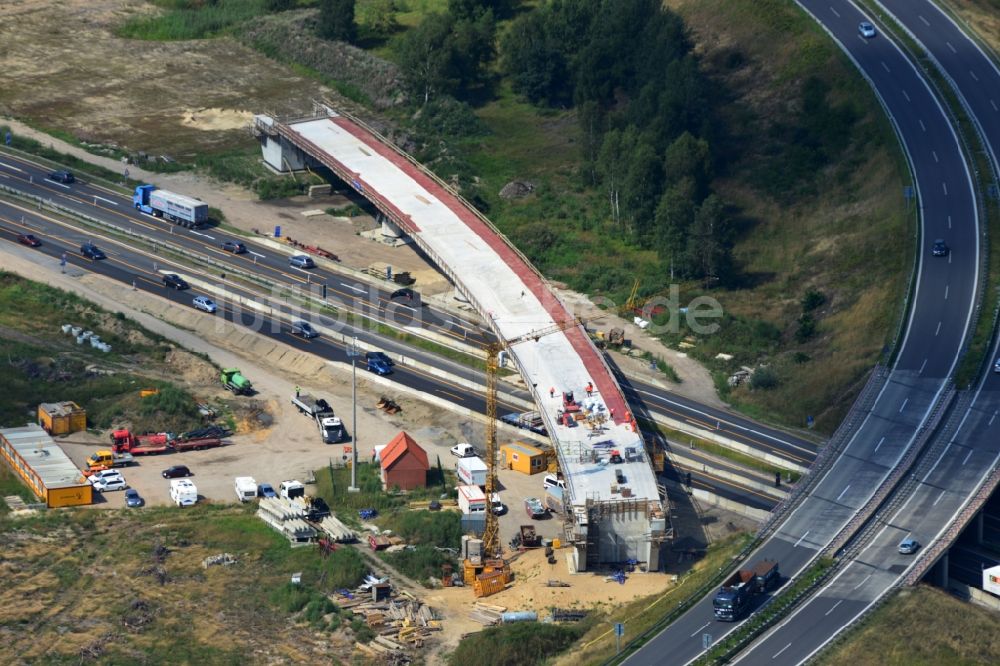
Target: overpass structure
{"type": "Point", "coordinates": [616, 510]}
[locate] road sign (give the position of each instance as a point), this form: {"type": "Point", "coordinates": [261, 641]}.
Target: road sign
{"type": "Point", "coordinates": [706, 641]}
{"type": "Point", "coordinates": [619, 629]}
{"type": "Point", "coordinates": [8, 138]}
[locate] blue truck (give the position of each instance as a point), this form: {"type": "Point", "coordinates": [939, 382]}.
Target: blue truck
{"type": "Point", "coordinates": [734, 598]}
{"type": "Point", "coordinates": [179, 209]}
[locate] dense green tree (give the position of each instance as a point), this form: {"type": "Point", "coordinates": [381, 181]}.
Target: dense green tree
{"type": "Point", "coordinates": [687, 165]}
{"type": "Point", "coordinates": [471, 9]}
{"type": "Point", "coordinates": [642, 184]}
{"type": "Point", "coordinates": [425, 57]}
{"type": "Point", "coordinates": [593, 124]}
{"type": "Point", "coordinates": [336, 21]}
{"type": "Point", "coordinates": [380, 17]}
{"type": "Point", "coordinates": [534, 61]}
{"type": "Point", "coordinates": [279, 5]}
{"type": "Point", "coordinates": [710, 242]}
{"type": "Point", "coordinates": [473, 48]}
{"type": "Point", "coordinates": [612, 162]}
{"type": "Point", "coordinates": [673, 218]}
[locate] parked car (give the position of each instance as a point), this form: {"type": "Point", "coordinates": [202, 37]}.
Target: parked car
{"type": "Point", "coordinates": [463, 450]}
{"type": "Point", "coordinates": [534, 507]}
{"type": "Point", "coordinates": [940, 248]}
{"type": "Point", "coordinates": [234, 246]}
{"type": "Point", "coordinates": [379, 356]}
{"type": "Point", "coordinates": [64, 177]}
{"type": "Point", "coordinates": [866, 29]}
{"type": "Point", "coordinates": [176, 472]}
{"type": "Point", "coordinates": [28, 239]}
{"type": "Point", "coordinates": [175, 281]}
{"type": "Point", "coordinates": [908, 546]}
{"type": "Point", "coordinates": [133, 499]}
{"type": "Point", "coordinates": [266, 490]}
{"type": "Point", "coordinates": [91, 251]}
{"type": "Point", "coordinates": [304, 330]}
{"type": "Point", "coordinates": [108, 480]}
{"type": "Point", "coordinates": [434, 506]}
{"type": "Point", "coordinates": [204, 303]}
{"type": "Point", "coordinates": [301, 261]}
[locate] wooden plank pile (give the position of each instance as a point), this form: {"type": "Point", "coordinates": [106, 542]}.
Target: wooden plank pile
{"type": "Point", "coordinates": [401, 623]}
{"type": "Point", "coordinates": [487, 614]}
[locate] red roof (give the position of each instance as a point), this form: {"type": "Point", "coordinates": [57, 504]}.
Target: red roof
{"type": "Point", "coordinates": [401, 444]}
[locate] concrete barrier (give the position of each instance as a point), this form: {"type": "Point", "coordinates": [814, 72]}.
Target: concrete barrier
{"type": "Point", "coordinates": [729, 505]}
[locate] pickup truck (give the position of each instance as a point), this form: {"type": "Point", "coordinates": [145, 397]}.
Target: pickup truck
{"type": "Point", "coordinates": [534, 507]}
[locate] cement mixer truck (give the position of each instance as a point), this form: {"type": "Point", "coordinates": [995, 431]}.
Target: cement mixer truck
{"type": "Point", "coordinates": [234, 380]}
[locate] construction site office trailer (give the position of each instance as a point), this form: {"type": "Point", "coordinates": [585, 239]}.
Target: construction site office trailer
{"type": "Point", "coordinates": [44, 467]}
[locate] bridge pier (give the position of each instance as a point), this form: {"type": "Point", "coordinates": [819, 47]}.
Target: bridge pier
{"type": "Point", "coordinates": [942, 571]}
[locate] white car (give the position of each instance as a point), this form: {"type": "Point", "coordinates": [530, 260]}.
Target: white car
{"type": "Point", "coordinates": [996, 366]}
{"type": "Point", "coordinates": [204, 303]}
{"type": "Point", "coordinates": [463, 451]}
{"type": "Point", "coordinates": [108, 480]}
{"type": "Point", "coordinates": [553, 481]}
{"type": "Point", "coordinates": [866, 30]}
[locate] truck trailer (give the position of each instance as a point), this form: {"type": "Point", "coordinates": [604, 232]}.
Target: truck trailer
{"type": "Point", "coordinates": [471, 499]}
{"type": "Point", "coordinates": [307, 404]}
{"type": "Point", "coordinates": [471, 471]}
{"type": "Point", "coordinates": [179, 209]}
{"type": "Point", "coordinates": [734, 598]}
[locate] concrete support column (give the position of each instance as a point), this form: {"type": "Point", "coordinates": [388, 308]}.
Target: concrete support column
{"type": "Point", "coordinates": [942, 567]}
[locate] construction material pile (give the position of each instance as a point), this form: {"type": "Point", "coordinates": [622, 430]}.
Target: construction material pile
{"type": "Point", "coordinates": [401, 622]}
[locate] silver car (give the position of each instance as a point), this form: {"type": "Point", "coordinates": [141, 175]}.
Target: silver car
{"type": "Point", "coordinates": [866, 30]}
{"type": "Point", "coordinates": [301, 261]}
{"type": "Point", "coordinates": [908, 546]}
{"type": "Point", "coordinates": [204, 303]}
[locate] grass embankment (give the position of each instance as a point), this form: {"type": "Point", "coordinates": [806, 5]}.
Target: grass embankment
{"type": "Point", "coordinates": [42, 364]}
{"type": "Point", "coordinates": [166, 607]}
{"type": "Point", "coordinates": [425, 531]}
{"type": "Point", "coordinates": [922, 625]}
{"type": "Point", "coordinates": [598, 644]}
{"type": "Point", "coordinates": [10, 484]}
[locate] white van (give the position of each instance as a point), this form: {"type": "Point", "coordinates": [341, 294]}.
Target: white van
{"type": "Point", "coordinates": [246, 488]}
{"type": "Point", "coordinates": [291, 490]}
{"type": "Point", "coordinates": [183, 492]}
{"type": "Point", "coordinates": [553, 481]}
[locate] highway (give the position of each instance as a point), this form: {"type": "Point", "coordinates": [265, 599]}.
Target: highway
{"type": "Point", "coordinates": [968, 455]}
{"type": "Point", "coordinates": [137, 265]}
{"type": "Point", "coordinates": [939, 317]}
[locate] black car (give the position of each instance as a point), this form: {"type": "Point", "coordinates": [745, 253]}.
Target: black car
{"type": "Point", "coordinates": [379, 356]}
{"type": "Point", "coordinates": [91, 251]}
{"type": "Point", "coordinates": [65, 177]}
{"type": "Point", "coordinates": [234, 246]}
{"type": "Point", "coordinates": [940, 248]}
{"type": "Point", "coordinates": [406, 294]}
{"type": "Point", "coordinates": [175, 281]}
{"type": "Point", "coordinates": [176, 472]}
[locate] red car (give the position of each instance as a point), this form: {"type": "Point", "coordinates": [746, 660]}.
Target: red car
{"type": "Point", "coordinates": [28, 239]}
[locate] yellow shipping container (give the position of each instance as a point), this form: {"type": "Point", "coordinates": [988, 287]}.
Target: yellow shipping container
{"type": "Point", "coordinates": [523, 458]}
{"type": "Point", "coordinates": [69, 496]}
{"type": "Point", "coordinates": [61, 418]}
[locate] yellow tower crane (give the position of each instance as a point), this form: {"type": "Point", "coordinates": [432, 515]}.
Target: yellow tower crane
{"type": "Point", "coordinates": [491, 535]}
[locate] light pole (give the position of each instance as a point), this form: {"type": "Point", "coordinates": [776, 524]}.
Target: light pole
{"type": "Point", "coordinates": [352, 351]}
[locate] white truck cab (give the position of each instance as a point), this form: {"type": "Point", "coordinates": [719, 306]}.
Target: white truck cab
{"type": "Point", "coordinates": [291, 490]}
{"type": "Point", "coordinates": [183, 492]}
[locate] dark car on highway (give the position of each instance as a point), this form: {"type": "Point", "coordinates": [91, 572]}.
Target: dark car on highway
{"type": "Point", "coordinates": [303, 329]}
{"type": "Point", "coordinates": [28, 239]}
{"type": "Point", "coordinates": [176, 472]}
{"type": "Point", "coordinates": [234, 246]}
{"type": "Point", "coordinates": [65, 177]}
{"type": "Point", "coordinates": [380, 357]}
{"type": "Point", "coordinates": [940, 248]}
{"type": "Point", "coordinates": [175, 281]}
{"type": "Point", "coordinates": [91, 251]}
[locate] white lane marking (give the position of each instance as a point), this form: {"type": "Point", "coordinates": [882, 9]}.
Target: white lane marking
{"type": "Point", "coordinates": [5, 176]}
{"type": "Point", "coordinates": [973, 75]}
{"type": "Point", "coordinates": [781, 650]}
{"type": "Point", "coordinates": [922, 366]}
{"type": "Point", "coordinates": [903, 406]}
{"type": "Point", "coordinates": [934, 155]}
{"type": "Point", "coordinates": [950, 255]}
{"type": "Point", "coordinates": [835, 12]}
{"type": "Point", "coordinates": [944, 186]}
{"type": "Point", "coordinates": [11, 166]}
{"type": "Point", "coordinates": [863, 581]}
{"type": "Point", "coordinates": [938, 329]}
{"type": "Point", "coordinates": [698, 630]}
{"type": "Point", "coordinates": [906, 95]}
{"type": "Point", "coordinates": [65, 187]}
{"type": "Point", "coordinates": [834, 607]}
{"type": "Point", "coordinates": [948, 44]}
{"type": "Point", "coordinates": [949, 221]}
{"type": "Point", "coordinates": [939, 497]}
{"type": "Point", "coordinates": [946, 288]}
{"type": "Point", "coordinates": [257, 254]}
{"type": "Point", "coordinates": [994, 105]}
{"type": "Point", "coordinates": [886, 67]}
{"type": "Point", "coordinates": [97, 198]}
{"type": "Point", "coordinates": [922, 126]}
{"type": "Point", "coordinates": [353, 287]}
{"type": "Point", "coordinates": [992, 418]}
{"type": "Point", "coordinates": [924, 20]}
{"type": "Point", "coordinates": [800, 539]}
{"type": "Point", "coordinates": [843, 491]}
{"type": "Point", "coordinates": [878, 445]}
{"type": "Point", "coordinates": [967, 456]}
